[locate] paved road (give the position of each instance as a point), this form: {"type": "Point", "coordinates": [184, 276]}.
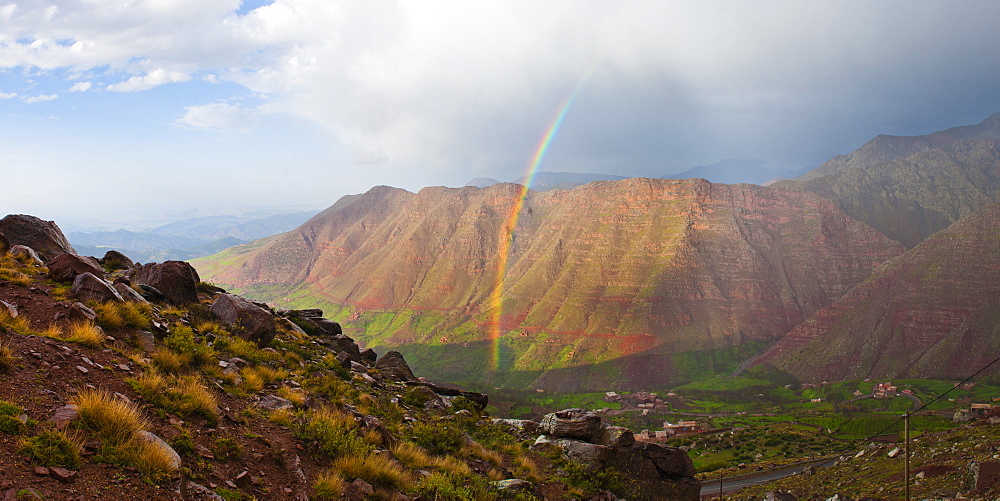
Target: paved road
{"type": "Point", "coordinates": [710, 488]}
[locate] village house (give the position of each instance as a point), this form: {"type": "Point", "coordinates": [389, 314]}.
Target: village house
{"type": "Point", "coordinates": [681, 428]}
{"type": "Point", "coordinates": [884, 390]}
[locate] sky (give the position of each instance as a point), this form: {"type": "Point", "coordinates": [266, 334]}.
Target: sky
{"type": "Point", "coordinates": [112, 111]}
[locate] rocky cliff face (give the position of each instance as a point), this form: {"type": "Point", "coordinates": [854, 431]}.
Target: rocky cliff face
{"type": "Point", "coordinates": [605, 272]}
{"type": "Point", "coordinates": [933, 312]}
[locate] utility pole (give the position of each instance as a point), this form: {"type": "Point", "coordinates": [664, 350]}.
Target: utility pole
{"type": "Point", "coordinates": [906, 456]}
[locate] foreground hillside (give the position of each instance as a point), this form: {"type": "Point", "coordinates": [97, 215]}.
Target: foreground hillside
{"type": "Point", "coordinates": [933, 312]}
{"type": "Point", "coordinates": [603, 284]}
{"type": "Point", "coordinates": [141, 382]}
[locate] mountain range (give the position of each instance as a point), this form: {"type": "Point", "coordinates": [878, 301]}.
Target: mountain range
{"type": "Point", "coordinates": [645, 283]}
{"type": "Point", "coordinates": [187, 238]}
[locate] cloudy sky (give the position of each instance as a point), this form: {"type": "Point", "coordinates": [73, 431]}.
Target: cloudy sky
{"type": "Point", "coordinates": [110, 109]}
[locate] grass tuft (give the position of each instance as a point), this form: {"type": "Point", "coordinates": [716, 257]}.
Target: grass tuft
{"type": "Point", "coordinates": [329, 485]}
{"type": "Point", "coordinates": [181, 395]}
{"type": "Point", "coordinates": [335, 433]}
{"type": "Point", "coordinates": [8, 362]}
{"type": "Point", "coordinates": [53, 448]}
{"type": "Point", "coordinates": [112, 418]}
{"type": "Point", "coordinates": [375, 469]}
{"type": "Point", "coordinates": [87, 334]}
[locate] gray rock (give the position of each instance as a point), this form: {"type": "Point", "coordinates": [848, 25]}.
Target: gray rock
{"type": "Point", "coordinates": [615, 436]}
{"type": "Point", "coordinates": [572, 423]}
{"type": "Point", "coordinates": [115, 260]}
{"type": "Point", "coordinates": [175, 459]}
{"type": "Point", "coordinates": [11, 309]}
{"type": "Point", "coordinates": [591, 456]}
{"type": "Point", "coordinates": [150, 293]}
{"type": "Point", "coordinates": [274, 403]}
{"type": "Point", "coordinates": [25, 252]}
{"type": "Point", "coordinates": [250, 322]}
{"type": "Point", "coordinates": [129, 294]}
{"type": "Point", "coordinates": [522, 425]}
{"type": "Point", "coordinates": [88, 287]}
{"type": "Point", "coordinates": [64, 416]}
{"type": "Point", "coordinates": [80, 312]}
{"type": "Point", "coordinates": [512, 485]}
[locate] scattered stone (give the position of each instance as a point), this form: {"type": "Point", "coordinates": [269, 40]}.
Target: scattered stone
{"type": "Point", "coordinates": [89, 287]}
{"type": "Point", "coordinates": [358, 490]}
{"type": "Point", "coordinates": [65, 267]}
{"type": "Point", "coordinates": [82, 369]}
{"type": "Point", "coordinates": [369, 356]}
{"type": "Point", "coordinates": [243, 479]}
{"type": "Point", "coordinates": [124, 367]}
{"type": "Point", "coordinates": [252, 322]}
{"type": "Point", "coordinates": [780, 495]}
{"type": "Point", "coordinates": [893, 453]}
{"type": "Point", "coordinates": [150, 293]}
{"type": "Point", "coordinates": [41, 471]}
{"type": "Point", "coordinates": [61, 474]}
{"type": "Point", "coordinates": [512, 485]}
{"type": "Point", "coordinates": [64, 416]}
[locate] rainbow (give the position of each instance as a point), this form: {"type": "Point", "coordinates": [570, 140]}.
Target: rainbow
{"type": "Point", "coordinates": [507, 230]}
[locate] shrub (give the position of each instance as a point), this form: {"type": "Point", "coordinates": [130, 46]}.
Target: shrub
{"type": "Point", "coordinates": [53, 448]}
{"type": "Point", "coordinates": [181, 339]}
{"type": "Point", "coordinates": [12, 421]}
{"type": "Point", "coordinates": [438, 438]}
{"type": "Point", "coordinates": [334, 432]}
{"type": "Point", "coordinates": [225, 449]}
{"type": "Point", "coordinates": [444, 487]}
{"type": "Point", "coordinates": [375, 469]}
{"type": "Point", "coordinates": [87, 334]}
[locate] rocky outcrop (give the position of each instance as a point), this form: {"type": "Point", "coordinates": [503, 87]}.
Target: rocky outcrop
{"type": "Point", "coordinates": [27, 253]}
{"type": "Point", "coordinates": [129, 294]}
{"type": "Point", "coordinates": [480, 400]}
{"type": "Point", "coordinates": [65, 267]}
{"type": "Point", "coordinates": [176, 280]}
{"type": "Point", "coordinates": [313, 323]}
{"type": "Point", "coordinates": [658, 471]}
{"type": "Point", "coordinates": [248, 320]}
{"type": "Point", "coordinates": [88, 287]}
{"type": "Point", "coordinates": [43, 236]}
{"type": "Point", "coordinates": [393, 366]}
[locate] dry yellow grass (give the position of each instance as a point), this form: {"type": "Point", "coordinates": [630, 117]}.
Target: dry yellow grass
{"type": "Point", "coordinates": [375, 469]}
{"type": "Point", "coordinates": [451, 465]}
{"type": "Point", "coordinates": [329, 485]}
{"type": "Point", "coordinates": [20, 325]}
{"type": "Point", "coordinates": [109, 416]}
{"type": "Point", "coordinates": [526, 468]}
{"type": "Point", "coordinates": [284, 417]}
{"type": "Point", "coordinates": [115, 315]}
{"type": "Point", "coordinates": [476, 450]}
{"type": "Point", "coordinates": [171, 361]}
{"type": "Point", "coordinates": [7, 359]}
{"type": "Point", "coordinates": [87, 334]}
{"type": "Point", "coordinates": [412, 455]}
{"type": "Point", "coordinates": [181, 395]}
{"type": "Point", "coordinates": [293, 395]}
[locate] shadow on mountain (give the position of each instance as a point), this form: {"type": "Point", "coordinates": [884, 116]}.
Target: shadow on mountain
{"type": "Point", "coordinates": [470, 365]}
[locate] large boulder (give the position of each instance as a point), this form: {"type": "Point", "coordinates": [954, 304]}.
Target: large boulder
{"type": "Point", "coordinates": [176, 280]}
{"type": "Point", "coordinates": [129, 294]}
{"type": "Point", "coordinates": [393, 366]}
{"type": "Point", "coordinates": [43, 236]}
{"type": "Point", "coordinates": [25, 252]}
{"type": "Point", "coordinates": [572, 423]}
{"type": "Point", "coordinates": [480, 400]}
{"type": "Point", "coordinates": [65, 267]}
{"type": "Point", "coordinates": [249, 321]}
{"type": "Point", "coordinates": [659, 472]}
{"type": "Point", "coordinates": [88, 287]}
{"type": "Point", "coordinates": [312, 322]}
{"type": "Point", "coordinates": [115, 260]}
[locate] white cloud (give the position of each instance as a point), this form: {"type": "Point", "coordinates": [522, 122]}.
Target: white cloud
{"type": "Point", "coordinates": [81, 86]}
{"type": "Point", "coordinates": [8, 95]}
{"type": "Point", "coordinates": [365, 156]}
{"type": "Point", "coordinates": [152, 79]}
{"type": "Point", "coordinates": [221, 117]}
{"type": "Point", "coordinates": [40, 98]}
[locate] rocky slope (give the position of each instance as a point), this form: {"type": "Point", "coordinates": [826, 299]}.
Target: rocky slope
{"type": "Point", "coordinates": [610, 278]}
{"type": "Point", "coordinates": [911, 187]}
{"type": "Point", "coordinates": [933, 312]}
{"type": "Point", "coordinates": [142, 382]}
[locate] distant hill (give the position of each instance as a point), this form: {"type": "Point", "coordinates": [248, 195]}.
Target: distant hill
{"type": "Point", "coordinates": [187, 238]}
{"type": "Point", "coordinates": [605, 283]}
{"type": "Point", "coordinates": [911, 187]}
{"type": "Point", "coordinates": [933, 312]}
{"type": "Point", "coordinates": [740, 170]}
